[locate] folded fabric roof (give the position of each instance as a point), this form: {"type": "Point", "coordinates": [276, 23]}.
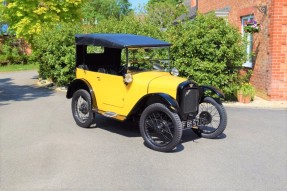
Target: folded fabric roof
{"type": "Point", "coordinates": [119, 41]}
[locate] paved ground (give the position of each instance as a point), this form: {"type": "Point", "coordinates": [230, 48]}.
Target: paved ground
{"type": "Point", "coordinates": [41, 148]}
{"type": "Point", "coordinates": [259, 103]}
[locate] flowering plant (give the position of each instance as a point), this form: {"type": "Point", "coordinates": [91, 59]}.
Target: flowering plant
{"type": "Point", "coordinates": [252, 27]}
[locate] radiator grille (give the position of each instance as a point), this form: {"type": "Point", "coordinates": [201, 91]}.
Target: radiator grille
{"type": "Point", "coordinates": [189, 100]}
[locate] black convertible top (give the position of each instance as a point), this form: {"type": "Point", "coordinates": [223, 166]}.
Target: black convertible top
{"type": "Point", "coordinates": [119, 41]}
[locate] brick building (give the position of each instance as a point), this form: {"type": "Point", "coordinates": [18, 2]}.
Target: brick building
{"type": "Point", "coordinates": [268, 47]}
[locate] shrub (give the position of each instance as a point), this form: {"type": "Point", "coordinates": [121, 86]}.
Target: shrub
{"type": "Point", "coordinates": [12, 50]}
{"type": "Point", "coordinates": [209, 51]}
{"type": "Point", "coordinates": [54, 51]}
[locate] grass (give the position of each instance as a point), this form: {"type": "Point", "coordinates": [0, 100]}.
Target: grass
{"type": "Point", "coordinates": [18, 67]}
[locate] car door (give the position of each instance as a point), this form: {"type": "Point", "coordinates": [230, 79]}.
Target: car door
{"type": "Point", "coordinates": [110, 90]}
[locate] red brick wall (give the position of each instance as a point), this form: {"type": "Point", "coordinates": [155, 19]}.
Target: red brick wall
{"type": "Point", "coordinates": [269, 45]}
{"type": "Point", "coordinates": [277, 77]}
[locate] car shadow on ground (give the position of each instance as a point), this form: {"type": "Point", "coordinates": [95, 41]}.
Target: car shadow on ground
{"type": "Point", "coordinates": [9, 91]}
{"type": "Point", "coordinates": [131, 129]}
{"type": "Point", "coordinates": [126, 128]}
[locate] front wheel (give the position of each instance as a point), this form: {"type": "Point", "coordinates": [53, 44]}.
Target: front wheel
{"type": "Point", "coordinates": [160, 128]}
{"type": "Point", "coordinates": [212, 117]}
{"type": "Point", "coordinates": [82, 108]}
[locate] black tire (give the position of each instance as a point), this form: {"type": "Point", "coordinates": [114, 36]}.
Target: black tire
{"type": "Point", "coordinates": [212, 117]}
{"type": "Point", "coordinates": [160, 128]}
{"type": "Point", "coordinates": [82, 108]}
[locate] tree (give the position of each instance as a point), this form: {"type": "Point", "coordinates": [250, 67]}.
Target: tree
{"type": "Point", "coordinates": [94, 11]}
{"type": "Point", "coordinates": [171, 2]}
{"type": "Point", "coordinates": [162, 13]}
{"type": "Point", "coordinates": [27, 17]}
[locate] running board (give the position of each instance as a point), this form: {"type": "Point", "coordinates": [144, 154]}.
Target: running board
{"type": "Point", "coordinates": [109, 114]}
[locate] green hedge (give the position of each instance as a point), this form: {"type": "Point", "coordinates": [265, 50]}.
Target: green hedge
{"type": "Point", "coordinates": [209, 51]}
{"type": "Point", "coordinates": [54, 48]}
{"type": "Point", "coordinates": [54, 51]}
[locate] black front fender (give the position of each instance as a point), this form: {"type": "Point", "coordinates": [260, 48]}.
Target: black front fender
{"type": "Point", "coordinates": [218, 92]}
{"type": "Point", "coordinates": [169, 102]}
{"type": "Point", "coordinates": [149, 99]}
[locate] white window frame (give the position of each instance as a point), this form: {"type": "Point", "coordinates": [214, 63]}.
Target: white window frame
{"type": "Point", "coordinates": [249, 37]}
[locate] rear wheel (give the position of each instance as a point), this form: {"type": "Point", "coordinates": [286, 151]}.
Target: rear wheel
{"type": "Point", "coordinates": [160, 128]}
{"type": "Point", "coordinates": [82, 108]}
{"type": "Point", "coordinates": [212, 117]}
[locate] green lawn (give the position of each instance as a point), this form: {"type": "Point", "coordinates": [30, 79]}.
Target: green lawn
{"type": "Point", "coordinates": [19, 67]}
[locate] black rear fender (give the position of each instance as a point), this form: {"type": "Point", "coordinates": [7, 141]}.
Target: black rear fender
{"type": "Point", "coordinates": [80, 84]}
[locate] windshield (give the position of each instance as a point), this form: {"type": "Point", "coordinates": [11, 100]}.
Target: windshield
{"type": "Point", "coordinates": [148, 59]}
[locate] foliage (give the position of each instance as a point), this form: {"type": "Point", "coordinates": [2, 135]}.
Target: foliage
{"type": "Point", "coordinates": [94, 11]}
{"type": "Point", "coordinates": [55, 53]}
{"type": "Point", "coordinates": [27, 18]}
{"type": "Point", "coordinates": [246, 89]}
{"type": "Point", "coordinates": [54, 48]}
{"type": "Point", "coordinates": [171, 2]}
{"type": "Point", "coordinates": [12, 51]}
{"type": "Point", "coordinates": [129, 24]}
{"type": "Point", "coordinates": [208, 50]}
{"type": "Point", "coordinates": [163, 14]}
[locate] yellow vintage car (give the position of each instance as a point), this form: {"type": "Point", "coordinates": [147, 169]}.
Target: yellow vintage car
{"type": "Point", "coordinates": [125, 76]}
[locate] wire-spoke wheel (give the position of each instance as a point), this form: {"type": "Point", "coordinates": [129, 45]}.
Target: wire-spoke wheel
{"type": "Point", "coordinates": [82, 108]}
{"type": "Point", "coordinates": [212, 118]}
{"type": "Point", "coordinates": [160, 128]}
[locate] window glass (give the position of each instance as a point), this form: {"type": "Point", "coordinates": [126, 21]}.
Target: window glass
{"type": "Point", "coordinates": [249, 38]}
{"type": "Point", "coordinates": [95, 49]}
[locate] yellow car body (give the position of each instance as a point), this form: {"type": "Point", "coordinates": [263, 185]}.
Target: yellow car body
{"type": "Point", "coordinates": [113, 95]}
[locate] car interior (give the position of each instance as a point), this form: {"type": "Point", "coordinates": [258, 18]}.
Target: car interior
{"type": "Point", "coordinates": [100, 62]}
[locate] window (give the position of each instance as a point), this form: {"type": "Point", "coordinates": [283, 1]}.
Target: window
{"type": "Point", "coordinates": [95, 49]}
{"type": "Point", "coordinates": [249, 37]}
{"type": "Point", "coordinates": [223, 12]}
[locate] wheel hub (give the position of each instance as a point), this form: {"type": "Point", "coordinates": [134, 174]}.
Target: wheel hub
{"type": "Point", "coordinates": [160, 126]}
{"type": "Point", "coordinates": [205, 117]}
{"type": "Point", "coordinates": [84, 108]}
